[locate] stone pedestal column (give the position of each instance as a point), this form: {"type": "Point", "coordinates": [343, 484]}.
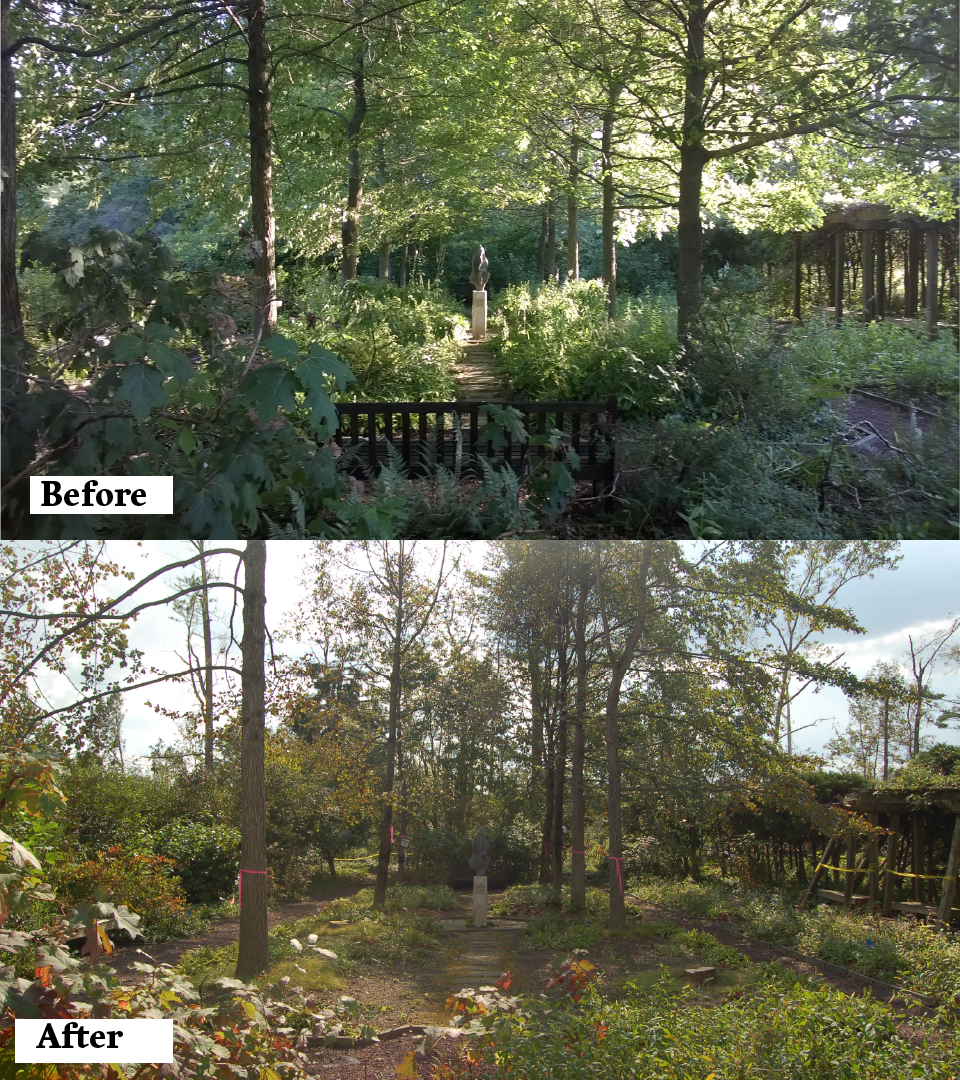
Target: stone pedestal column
{"type": "Point", "coordinates": [479, 328]}
{"type": "Point", "coordinates": [480, 883]}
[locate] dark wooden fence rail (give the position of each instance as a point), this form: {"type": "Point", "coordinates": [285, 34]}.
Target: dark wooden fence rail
{"type": "Point", "coordinates": [426, 432]}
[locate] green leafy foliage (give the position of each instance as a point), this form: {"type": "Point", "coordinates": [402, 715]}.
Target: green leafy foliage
{"type": "Point", "coordinates": [206, 857]}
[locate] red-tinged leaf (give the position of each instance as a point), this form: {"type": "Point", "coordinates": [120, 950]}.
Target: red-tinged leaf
{"type": "Point", "coordinates": [408, 1067]}
{"type": "Point", "coordinates": [503, 983]}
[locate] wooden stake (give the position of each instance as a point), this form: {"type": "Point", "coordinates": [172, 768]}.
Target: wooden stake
{"type": "Point", "coordinates": [827, 852]}
{"type": "Point", "coordinates": [891, 862]}
{"type": "Point", "coordinates": [950, 879]}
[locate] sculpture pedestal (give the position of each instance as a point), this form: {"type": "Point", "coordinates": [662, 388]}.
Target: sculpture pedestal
{"type": "Point", "coordinates": [479, 327]}
{"type": "Point", "coordinates": [480, 899]}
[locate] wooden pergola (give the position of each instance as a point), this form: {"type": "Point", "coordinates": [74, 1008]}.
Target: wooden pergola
{"type": "Point", "coordinates": [871, 223]}
{"type": "Point", "coordinates": [895, 807]}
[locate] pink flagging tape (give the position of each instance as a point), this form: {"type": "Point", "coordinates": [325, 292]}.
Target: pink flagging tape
{"type": "Point", "coordinates": [240, 883]}
{"type": "Point", "coordinates": [618, 861]}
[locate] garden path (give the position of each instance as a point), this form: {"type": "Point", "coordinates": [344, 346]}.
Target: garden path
{"type": "Point", "coordinates": [478, 376]}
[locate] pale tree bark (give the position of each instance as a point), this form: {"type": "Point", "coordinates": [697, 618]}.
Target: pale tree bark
{"type": "Point", "coordinates": [396, 676]}
{"type": "Point", "coordinates": [693, 159]}
{"type": "Point", "coordinates": [573, 219]}
{"type": "Point", "coordinates": [261, 171]}
{"type": "Point", "coordinates": [550, 248]}
{"type": "Point", "coordinates": [254, 954]}
{"type": "Point", "coordinates": [608, 214]}
{"type": "Point", "coordinates": [560, 769]}
{"type": "Point", "coordinates": [350, 229]}
{"type": "Point", "coordinates": [578, 882]}
{"type": "Point", "coordinates": [208, 664]}
{"type": "Point", "coordinates": [11, 314]}
{"type": "Point", "coordinates": [620, 661]}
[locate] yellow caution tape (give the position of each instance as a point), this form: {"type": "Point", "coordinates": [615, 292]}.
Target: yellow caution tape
{"type": "Point", "coordinates": [363, 858]}
{"type": "Point", "coordinates": [867, 869]}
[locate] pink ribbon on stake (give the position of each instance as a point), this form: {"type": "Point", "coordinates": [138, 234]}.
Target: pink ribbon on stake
{"type": "Point", "coordinates": [618, 861]}
{"type": "Point", "coordinates": [240, 883]}
{"type": "Point", "coordinates": [391, 834]}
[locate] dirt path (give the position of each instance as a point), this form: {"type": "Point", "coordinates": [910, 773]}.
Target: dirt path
{"type": "Point", "coordinates": [222, 932]}
{"type": "Point", "coordinates": [478, 376]}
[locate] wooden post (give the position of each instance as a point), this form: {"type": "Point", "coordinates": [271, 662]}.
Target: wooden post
{"type": "Point", "coordinates": [838, 261]}
{"type": "Point", "coordinates": [933, 241]}
{"type": "Point", "coordinates": [822, 862]}
{"type": "Point", "coordinates": [891, 861]}
{"type": "Point", "coordinates": [911, 274]}
{"type": "Point", "coordinates": [797, 267]}
{"type": "Point", "coordinates": [868, 284]}
{"type": "Point", "coordinates": [917, 855]}
{"type": "Point", "coordinates": [950, 879]}
{"type": "Point", "coordinates": [873, 857]}
{"type": "Point", "coordinates": [880, 307]}
{"type": "Point", "coordinates": [850, 867]}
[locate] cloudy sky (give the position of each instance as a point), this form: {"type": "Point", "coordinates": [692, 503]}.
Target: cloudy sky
{"type": "Point", "coordinates": [917, 598]}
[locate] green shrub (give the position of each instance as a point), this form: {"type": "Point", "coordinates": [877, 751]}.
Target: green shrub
{"type": "Point", "coordinates": [147, 884]}
{"type": "Point", "coordinates": [550, 931]}
{"type": "Point", "coordinates": [207, 857]}
{"type": "Point", "coordinates": [794, 1031]}
{"type": "Point", "coordinates": [879, 354]}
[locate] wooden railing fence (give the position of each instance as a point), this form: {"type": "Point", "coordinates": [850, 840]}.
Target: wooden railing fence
{"type": "Point", "coordinates": [427, 433]}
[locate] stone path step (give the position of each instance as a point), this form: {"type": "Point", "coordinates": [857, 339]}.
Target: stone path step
{"type": "Point", "coordinates": [481, 961]}
{"type": "Point", "coordinates": [477, 375]}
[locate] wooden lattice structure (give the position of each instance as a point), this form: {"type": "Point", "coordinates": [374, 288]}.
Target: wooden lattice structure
{"type": "Point", "coordinates": [896, 812]}
{"type": "Point", "coordinates": [864, 229]}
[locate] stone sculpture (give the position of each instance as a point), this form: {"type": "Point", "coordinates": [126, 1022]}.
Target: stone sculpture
{"type": "Point", "coordinates": [479, 863]}
{"type": "Point", "coordinates": [480, 859]}
{"type": "Point", "coordinates": [480, 274]}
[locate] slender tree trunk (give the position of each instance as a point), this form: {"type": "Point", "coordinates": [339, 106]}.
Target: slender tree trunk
{"type": "Point", "coordinates": [261, 176]}
{"type": "Point", "coordinates": [578, 883]}
{"type": "Point", "coordinates": [548, 810]}
{"type": "Point", "coordinates": [573, 221]}
{"type": "Point", "coordinates": [561, 769]}
{"type": "Point", "coordinates": [608, 216]}
{"type": "Point", "coordinates": [402, 269]}
{"type": "Point", "coordinates": [550, 250]}
{"type": "Point", "coordinates": [693, 158]}
{"type": "Point", "coordinates": [393, 718]}
{"type": "Point", "coordinates": [350, 230]}
{"type": "Point", "coordinates": [536, 720]}
{"type": "Point", "coordinates": [619, 665]}
{"type": "Point", "coordinates": [208, 665]}
{"type": "Point", "coordinates": [542, 246]}
{"type": "Point", "coordinates": [404, 817]}
{"type": "Point", "coordinates": [11, 314]}
{"type": "Point", "coordinates": [254, 955]}
{"type": "Point", "coordinates": [384, 260]}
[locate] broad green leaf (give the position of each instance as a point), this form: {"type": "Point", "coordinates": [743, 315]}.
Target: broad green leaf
{"type": "Point", "coordinates": [171, 362]}
{"type": "Point", "coordinates": [270, 388]}
{"type": "Point", "coordinates": [323, 412]}
{"type": "Point", "coordinates": [186, 440]}
{"type": "Point", "coordinates": [283, 348]}
{"type": "Point", "coordinates": [142, 386]}
{"type": "Point", "coordinates": [328, 364]}
{"type": "Point", "coordinates": [127, 348]}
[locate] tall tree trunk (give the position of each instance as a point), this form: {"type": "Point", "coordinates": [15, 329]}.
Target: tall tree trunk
{"type": "Point", "coordinates": [384, 260]}
{"type": "Point", "coordinates": [208, 666]}
{"type": "Point", "coordinates": [261, 176]}
{"type": "Point", "coordinates": [402, 269]}
{"type": "Point", "coordinates": [560, 770]}
{"type": "Point", "coordinates": [578, 882]}
{"type": "Point", "coordinates": [550, 247]}
{"type": "Point", "coordinates": [548, 809]}
{"type": "Point", "coordinates": [573, 221]}
{"type": "Point", "coordinates": [693, 158]}
{"type": "Point", "coordinates": [404, 816]}
{"type": "Point", "coordinates": [608, 216]}
{"type": "Point", "coordinates": [11, 313]}
{"type": "Point", "coordinates": [619, 665]}
{"type": "Point", "coordinates": [393, 718]}
{"type": "Point", "coordinates": [542, 245]}
{"type": "Point", "coordinates": [254, 954]}
{"type": "Point", "coordinates": [350, 230]}
{"type": "Point", "coordinates": [536, 721]}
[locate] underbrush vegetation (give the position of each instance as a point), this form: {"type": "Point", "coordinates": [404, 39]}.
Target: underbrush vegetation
{"type": "Point", "coordinates": [901, 951]}
{"type": "Point", "coordinates": [778, 1028]}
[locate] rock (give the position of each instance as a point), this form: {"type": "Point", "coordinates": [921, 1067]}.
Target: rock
{"type": "Point", "coordinates": [327, 954]}
{"type": "Point", "coordinates": [312, 939]}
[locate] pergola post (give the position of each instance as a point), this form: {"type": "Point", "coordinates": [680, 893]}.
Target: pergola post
{"type": "Point", "coordinates": [930, 298]}
{"type": "Point", "coordinates": [868, 284]}
{"type": "Point", "coordinates": [950, 879]}
{"type": "Point", "coordinates": [838, 268]}
{"type": "Point", "coordinates": [916, 856]}
{"type": "Point", "coordinates": [873, 856]}
{"type": "Point", "coordinates": [797, 267]}
{"type": "Point", "coordinates": [822, 863]}
{"type": "Point", "coordinates": [891, 860]}
{"type": "Point", "coordinates": [880, 307]}
{"type": "Point", "coordinates": [911, 281]}
{"type": "Point", "coordinates": [850, 867]}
